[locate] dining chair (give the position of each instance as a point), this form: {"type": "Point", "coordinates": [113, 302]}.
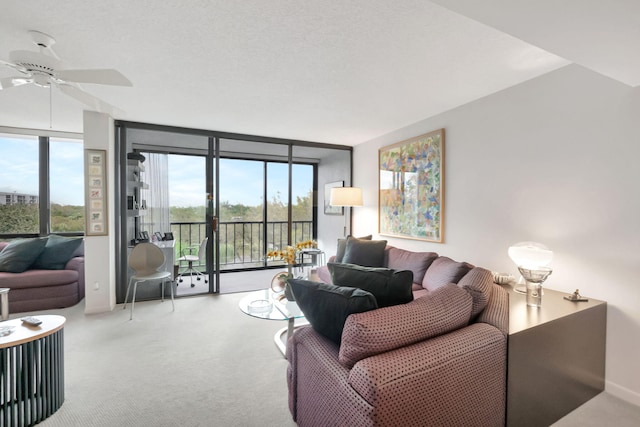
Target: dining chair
{"type": "Point", "coordinates": [146, 260]}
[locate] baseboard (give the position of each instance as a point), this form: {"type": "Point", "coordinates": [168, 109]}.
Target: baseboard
{"type": "Point", "coordinates": [622, 393]}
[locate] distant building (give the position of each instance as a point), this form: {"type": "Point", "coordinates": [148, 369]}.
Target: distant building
{"type": "Point", "coordinates": [18, 199]}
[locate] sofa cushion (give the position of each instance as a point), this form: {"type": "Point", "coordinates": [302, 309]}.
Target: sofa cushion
{"type": "Point", "coordinates": [378, 331]}
{"type": "Point", "coordinates": [342, 246]}
{"type": "Point", "coordinates": [19, 254]}
{"type": "Point", "coordinates": [444, 270]}
{"type": "Point", "coordinates": [57, 252]}
{"type": "Point", "coordinates": [417, 262]}
{"type": "Point", "coordinates": [478, 282]}
{"type": "Point", "coordinates": [326, 307]}
{"type": "Point", "coordinates": [390, 287]}
{"type": "Point", "coordinates": [368, 253]}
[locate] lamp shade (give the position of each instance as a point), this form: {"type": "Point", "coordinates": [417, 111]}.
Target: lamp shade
{"type": "Point", "coordinates": [530, 255]}
{"type": "Point", "coordinates": [346, 196]}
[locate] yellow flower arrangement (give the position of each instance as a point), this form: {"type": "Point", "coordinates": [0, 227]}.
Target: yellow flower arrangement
{"type": "Point", "coordinates": [289, 253]}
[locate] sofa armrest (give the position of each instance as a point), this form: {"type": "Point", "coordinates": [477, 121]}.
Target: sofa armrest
{"type": "Point", "coordinates": [77, 264]}
{"type": "Point", "coordinates": [496, 313]}
{"type": "Point", "coordinates": [318, 384]}
{"type": "Point", "coordinates": [324, 274]}
{"type": "Point", "coordinates": [454, 379]}
{"type": "Point", "coordinates": [378, 331]}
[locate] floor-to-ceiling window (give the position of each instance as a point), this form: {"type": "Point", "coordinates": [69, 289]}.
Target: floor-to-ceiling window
{"type": "Point", "coordinates": [41, 185]}
{"type": "Point", "coordinates": [66, 186]}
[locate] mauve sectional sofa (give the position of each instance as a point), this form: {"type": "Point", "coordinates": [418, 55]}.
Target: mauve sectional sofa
{"type": "Point", "coordinates": [61, 285]}
{"type": "Point", "coordinates": [439, 360]}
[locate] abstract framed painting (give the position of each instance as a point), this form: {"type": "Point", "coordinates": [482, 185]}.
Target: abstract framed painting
{"type": "Point", "coordinates": [411, 188]}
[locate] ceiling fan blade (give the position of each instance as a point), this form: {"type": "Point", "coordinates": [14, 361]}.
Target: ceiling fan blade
{"type": "Point", "coordinates": [14, 66]}
{"type": "Point", "coordinates": [87, 99]}
{"type": "Point", "coordinates": [7, 82]}
{"type": "Point", "coordinates": [97, 76]}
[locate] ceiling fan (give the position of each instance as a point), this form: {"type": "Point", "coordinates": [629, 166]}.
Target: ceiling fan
{"type": "Point", "coordinates": [46, 70]}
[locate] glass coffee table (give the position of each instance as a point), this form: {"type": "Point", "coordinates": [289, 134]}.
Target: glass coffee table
{"type": "Point", "coordinates": [266, 304]}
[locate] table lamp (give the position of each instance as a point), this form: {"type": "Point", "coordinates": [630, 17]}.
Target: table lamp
{"type": "Point", "coordinates": [345, 197]}
{"type": "Point", "coordinates": [529, 256]}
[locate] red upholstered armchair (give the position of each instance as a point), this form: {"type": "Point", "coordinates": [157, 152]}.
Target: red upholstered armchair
{"type": "Point", "coordinates": [439, 360]}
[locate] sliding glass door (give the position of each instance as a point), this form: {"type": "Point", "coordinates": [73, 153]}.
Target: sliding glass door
{"type": "Point", "coordinates": [167, 183]}
{"type": "Point", "coordinates": [220, 201]}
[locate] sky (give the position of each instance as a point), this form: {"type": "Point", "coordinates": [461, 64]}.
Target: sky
{"type": "Point", "coordinates": [19, 168]}
{"type": "Point", "coordinates": [241, 180]}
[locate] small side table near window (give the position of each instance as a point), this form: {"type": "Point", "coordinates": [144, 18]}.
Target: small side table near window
{"type": "Point", "coordinates": [268, 305]}
{"type": "Point", "coordinates": [31, 370]}
{"type": "Point", "coordinates": [556, 357]}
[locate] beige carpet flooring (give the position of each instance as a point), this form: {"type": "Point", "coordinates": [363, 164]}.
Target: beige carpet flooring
{"type": "Point", "coordinates": [230, 282]}
{"type": "Point", "coordinates": [206, 364]}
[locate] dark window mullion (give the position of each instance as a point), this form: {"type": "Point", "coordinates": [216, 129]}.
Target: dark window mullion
{"type": "Point", "coordinates": [44, 206]}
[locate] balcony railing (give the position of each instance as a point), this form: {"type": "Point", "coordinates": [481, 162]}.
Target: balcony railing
{"type": "Point", "coordinates": [242, 243]}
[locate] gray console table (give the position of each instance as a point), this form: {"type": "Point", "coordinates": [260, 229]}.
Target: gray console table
{"type": "Point", "coordinates": [556, 357]}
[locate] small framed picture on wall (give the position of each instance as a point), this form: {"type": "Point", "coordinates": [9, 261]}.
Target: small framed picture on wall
{"type": "Point", "coordinates": [96, 208]}
{"type": "Point", "coordinates": [328, 209]}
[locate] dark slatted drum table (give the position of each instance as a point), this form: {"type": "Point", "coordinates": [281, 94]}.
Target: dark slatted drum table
{"type": "Point", "coordinates": [31, 371]}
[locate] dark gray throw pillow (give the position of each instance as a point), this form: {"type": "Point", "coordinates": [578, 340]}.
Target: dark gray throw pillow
{"type": "Point", "coordinates": [368, 253]}
{"type": "Point", "coordinates": [390, 287]}
{"type": "Point", "coordinates": [342, 246]}
{"type": "Point", "coordinates": [57, 252]}
{"type": "Point", "coordinates": [444, 270]}
{"type": "Point", "coordinates": [327, 307]}
{"type": "Point", "coordinates": [19, 254]}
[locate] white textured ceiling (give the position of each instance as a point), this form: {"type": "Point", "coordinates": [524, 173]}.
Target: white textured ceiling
{"type": "Point", "coordinates": [329, 71]}
{"type": "Point", "coordinates": [597, 34]}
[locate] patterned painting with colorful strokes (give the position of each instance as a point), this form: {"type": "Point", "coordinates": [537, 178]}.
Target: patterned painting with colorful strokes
{"type": "Point", "coordinates": [411, 188]}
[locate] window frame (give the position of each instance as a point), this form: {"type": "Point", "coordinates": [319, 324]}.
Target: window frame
{"type": "Point", "coordinates": [44, 193]}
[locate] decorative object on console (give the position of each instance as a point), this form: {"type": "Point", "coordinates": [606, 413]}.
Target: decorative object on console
{"type": "Point", "coordinates": [346, 197]}
{"type": "Point", "coordinates": [503, 278]}
{"type": "Point", "coordinates": [529, 255]}
{"type": "Point", "coordinates": [576, 297]}
{"type": "Point", "coordinates": [411, 193]}
{"type": "Point", "coordinates": [535, 279]}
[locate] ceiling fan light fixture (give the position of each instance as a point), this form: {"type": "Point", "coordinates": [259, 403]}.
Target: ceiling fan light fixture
{"type": "Point", "coordinates": [41, 79]}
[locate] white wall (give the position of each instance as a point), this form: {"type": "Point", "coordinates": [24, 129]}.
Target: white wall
{"type": "Point", "coordinates": [336, 167]}
{"type": "Point", "coordinates": [99, 260]}
{"type": "Point", "coordinates": [552, 160]}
